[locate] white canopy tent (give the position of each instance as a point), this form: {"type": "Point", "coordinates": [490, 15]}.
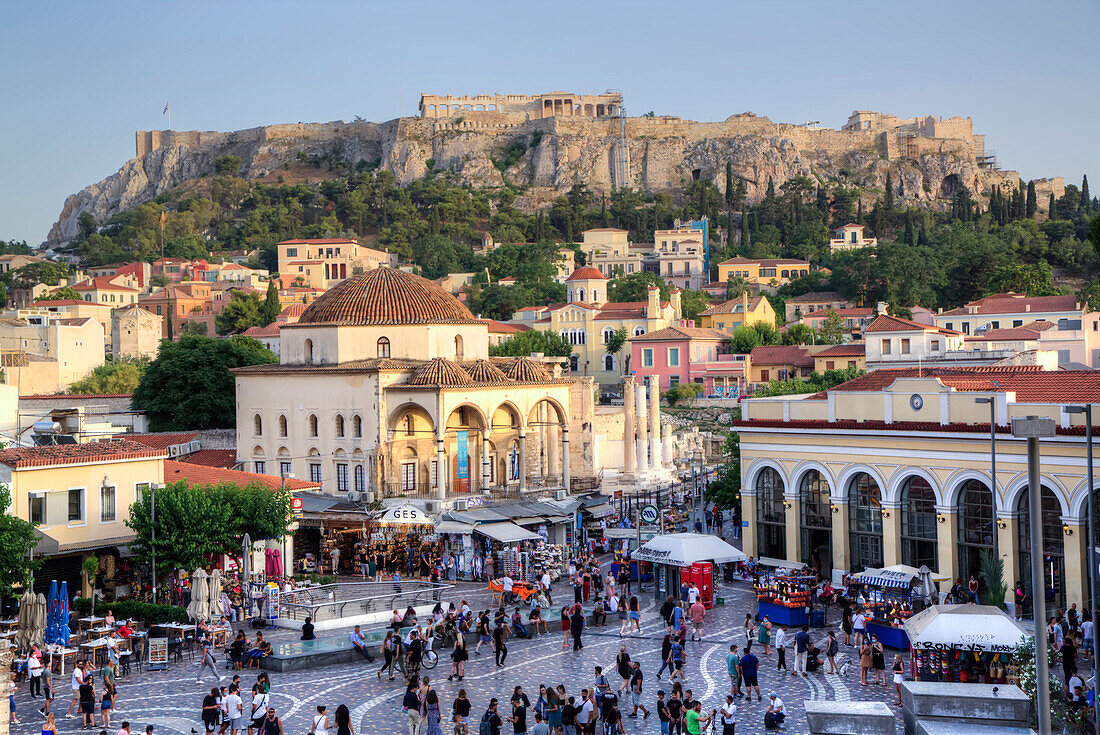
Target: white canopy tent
{"type": "Point", "coordinates": [506, 532]}
{"type": "Point", "coordinates": [982, 628]}
{"type": "Point", "coordinates": [898, 575]}
{"type": "Point", "coordinates": [684, 549]}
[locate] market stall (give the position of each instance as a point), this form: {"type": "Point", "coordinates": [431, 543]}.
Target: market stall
{"type": "Point", "coordinates": [784, 595]}
{"type": "Point", "coordinates": [891, 596]}
{"type": "Point", "coordinates": [964, 643]}
{"type": "Point", "coordinates": [683, 551]}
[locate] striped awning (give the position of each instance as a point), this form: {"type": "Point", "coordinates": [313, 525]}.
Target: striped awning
{"type": "Point", "coordinates": [886, 578]}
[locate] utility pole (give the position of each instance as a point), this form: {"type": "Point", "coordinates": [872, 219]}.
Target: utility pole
{"type": "Point", "coordinates": [1090, 544]}
{"type": "Point", "coordinates": [1033, 428]}
{"type": "Point", "coordinates": [153, 531]}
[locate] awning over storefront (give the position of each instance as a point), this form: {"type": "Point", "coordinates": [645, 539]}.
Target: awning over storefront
{"type": "Point", "coordinates": [405, 515]}
{"type": "Point", "coordinates": [506, 532]}
{"type": "Point", "coordinates": [454, 527]}
{"type": "Point", "coordinates": [965, 627]}
{"type": "Point", "coordinates": [890, 578]}
{"type": "Point", "coordinates": [49, 546]}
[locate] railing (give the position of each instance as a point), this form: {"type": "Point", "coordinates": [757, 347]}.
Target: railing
{"type": "Point", "coordinates": [334, 601]}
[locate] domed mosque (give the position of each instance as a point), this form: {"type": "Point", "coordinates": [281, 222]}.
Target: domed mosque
{"type": "Point", "coordinates": [385, 385]}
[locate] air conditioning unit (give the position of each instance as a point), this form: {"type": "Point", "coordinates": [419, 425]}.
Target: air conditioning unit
{"type": "Point", "coordinates": [560, 495]}
{"type": "Point", "coordinates": [431, 506]}
{"type": "Point", "coordinates": [460, 505]}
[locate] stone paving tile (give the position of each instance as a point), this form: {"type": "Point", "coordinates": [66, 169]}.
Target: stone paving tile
{"type": "Point", "coordinates": [171, 699]}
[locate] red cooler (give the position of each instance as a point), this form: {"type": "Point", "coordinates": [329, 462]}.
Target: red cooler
{"type": "Point", "coordinates": [702, 574]}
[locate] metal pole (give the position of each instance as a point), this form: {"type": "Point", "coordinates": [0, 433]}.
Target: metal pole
{"type": "Point", "coordinates": [993, 474]}
{"type": "Point", "coordinates": [1090, 553]}
{"type": "Point", "coordinates": [153, 533]}
{"type": "Point", "coordinates": [1038, 592]}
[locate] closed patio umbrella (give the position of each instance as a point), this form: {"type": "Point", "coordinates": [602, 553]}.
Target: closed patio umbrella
{"type": "Point", "coordinates": [246, 572]}
{"type": "Point", "coordinates": [63, 631]}
{"type": "Point", "coordinates": [39, 619]}
{"type": "Point", "coordinates": [24, 620]}
{"type": "Point", "coordinates": [215, 594]}
{"type": "Point", "coordinates": [52, 619]}
{"type": "Point", "coordinates": [196, 610]}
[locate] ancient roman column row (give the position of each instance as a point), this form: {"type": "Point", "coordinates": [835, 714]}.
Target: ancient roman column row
{"type": "Point", "coordinates": [645, 445]}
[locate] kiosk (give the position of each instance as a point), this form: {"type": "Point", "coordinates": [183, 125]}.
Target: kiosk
{"type": "Point", "coordinates": [893, 595]}
{"type": "Point", "coordinates": [783, 596]}
{"type": "Point", "coordinates": [683, 551]}
{"type": "Point", "coordinates": [964, 643]}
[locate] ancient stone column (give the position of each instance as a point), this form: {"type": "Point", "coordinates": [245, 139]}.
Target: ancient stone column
{"type": "Point", "coordinates": [441, 468]}
{"type": "Point", "coordinates": [643, 444]}
{"type": "Point", "coordinates": [553, 461]}
{"type": "Point", "coordinates": [522, 460]}
{"type": "Point", "coordinates": [655, 420]}
{"type": "Point", "coordinates": [565, 457]}
{"type": "Point", "coordinates": [485, 460]}
{"type": "Point", "coordinates": [629, 438]}
{"type": "Point", "coordinates": [666, 441]}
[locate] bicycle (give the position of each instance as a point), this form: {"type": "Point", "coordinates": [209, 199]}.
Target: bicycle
{"type": "Point", "coordinates": [429, 659]}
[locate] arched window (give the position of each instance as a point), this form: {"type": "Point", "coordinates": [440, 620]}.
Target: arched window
{"type": "Point", "coordinates": [770, 515]}
{"type": "Point", "coordinates": [356, 426]}
{"type": "Point", "coordinates": [360, 483]}
{"type": "Point", "coordinates": [607, 332]}
{"type": "Point", "coordinates": [312, 425]}
{"type": "Point", "coordinates": [458, 347]}
{"type": "Point", "coordinates": [975, 527]}
{"type": "Point", "coordinates": [918, 524]}
{"type": "Point", "coordinates": [1054, 552]}
{"type": "Point", "coordinates": [409, 425]}
{"type": "Point", "coordinates": [574, 363]}
{"type": "Point", "coordinates": [817, 523]}
{"type": "Point", "coordinates": [308, 348]}
{"type": "Point", "coordinates": [595, 296]}
{"type": "Point", "coordinates": [339, 425]}
{"type": "Point", "coordinates": [257, 425]}
{"type": "Point", "coordinates": [570, 294]}
{"type": "Point", "coordinates": [639, 331]}
{"type": "Point", "coordinates": [608, 362]}
{"type": "Point", "coordinates": [865, 522]}
{"type": "Point", "coordinates": [282, 425]}
{"type": "Point", "coordinates": [383, 347]}
{"type": "Point", "coordinates": [580, 294]}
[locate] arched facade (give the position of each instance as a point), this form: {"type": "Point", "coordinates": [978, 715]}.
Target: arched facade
{"type": "Point", "coordinates": [1054, 552]}
{"type": "Point", "coordinates": [919, 539]}
{"type": "Point", "coordinates": [770, 514]}
{"type": "Point", "coordinates": [816, 521]}
{"type": "Point", "coordinates": [976, 525]}
{"type": "Point", "coordinates": [865, 522]}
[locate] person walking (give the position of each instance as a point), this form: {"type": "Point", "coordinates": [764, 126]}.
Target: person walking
{"type": "Point", "coordinates": [1069, 657]}
{"type": "Point", "coordinates": [320, 721]}
{"type": "Point", "coordinates": [34, 672]}
{"type": "Point", "coordinates": [47, 692]}
{"type": "Point", "coordinates": [750, 665]}
{"type": "Point", "coordinates": [387, 655]}
{"type": "Point", "coordinates": [75, 680]}
{"type": "Point", "coordinates": [623, 668]}
{"type": "Point", "coordinates": [500, 650]}
{"type": "Point", "coordinates": [410, 704]}
{"type": "Point", "coordinates": [666, 662]}
{"type": "Point", "coordinates": [750, 628]}
{"type": "Point", "coordinates": [781, 648]}
{"type": "Point", "coordinates": [208, 660]}
{"type": "Point", "coordinates": [676, 660]}
{"type": "Point", "coordinates": [234, 709]}
{"type": "Point", "coordinates": [272, 725]}
{"type": "Point", "coordinates": [733, 668]}
{"type": "Point", "coordinates": [432, 715]}
{"type": "Point", "coordinates": [576, 627]}
{"type": "Point", "coordinates": [831, 648]}
{"type": "Point", "coordinates": [459, 656]}
{"type": "Point", "coordinates": [636, 678]}
{"type": "Point", "coordinates": [698, 613]}
{"type": "Point", "coordinates": [899, 675]}
{"type": "Point", "coordinates": [801, 650]}
{"type": "Point", "coordinates": [859, 627]}
{"type": "Point", "coordinates": [260, 701]}
{"type": "Point", "coordinates": [86, 694]}
{"type": "Point", "coordinates": [211, 710]}
{"type": "Point", "coordinates": [343, 721]}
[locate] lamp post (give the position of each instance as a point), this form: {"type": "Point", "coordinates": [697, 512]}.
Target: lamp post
{"type": "Point", "coordinates": [153, 531]}
{"type": "Point", "coordinates": [1090, 545]}
{"type": "Point", "coordinates": [993, 467]}
{"type": "Point", "coordinates": [1033, 428]}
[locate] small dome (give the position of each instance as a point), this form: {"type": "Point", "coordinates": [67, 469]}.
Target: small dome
{"type": "Point", "coordinates": [293, 310]}
{"type": "Point", "coordinates": [484, 371]}
{"type": "Point", "coordinates": [587, 273]}
{"type": "Point", "coordinates": [526, 370]}
{"type": "Point", "coordinates": [438, 372]}
{"type": "Point", "coordinates": [386, 296]}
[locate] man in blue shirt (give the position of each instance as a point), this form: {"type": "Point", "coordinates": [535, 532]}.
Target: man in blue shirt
{"type": "Point", "coordinates": [750, 664]}
{"type": "Point", "coordinates": [801, 650]}
{"type": "Point", "coordinates": [676, 658]}
{"type": "Point", "coordinates": [733, 668]}
{"type": "Point", "coordinates": [360, 644]}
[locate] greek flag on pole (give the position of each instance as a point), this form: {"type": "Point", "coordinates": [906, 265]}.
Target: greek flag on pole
{"type": "Point", "coordinates": [165, 109]}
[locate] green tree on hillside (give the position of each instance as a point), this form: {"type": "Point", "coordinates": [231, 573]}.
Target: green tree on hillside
{"type": "Point", "coordinates": [17, 538]}
{"type": "Point", "coordinates": [118, 377]}
{"type": "Point", "coordinates": [65, 292]}
{"type": "Point", "coordinates": [245, 310]}
{"type": "Point", "coordinates": [272, 307]}
{"type": "Point", "coordinates": [189, 386]}
{"type": "Point", "coordinates": [635, 287]}
{"type": "Point", "coordinates": [533, 340]}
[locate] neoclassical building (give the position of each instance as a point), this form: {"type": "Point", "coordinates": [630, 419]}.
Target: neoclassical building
{"type": "Point", "coordinates": [385, 386]}
{"type": "Point", "coordinates": [894, 467]}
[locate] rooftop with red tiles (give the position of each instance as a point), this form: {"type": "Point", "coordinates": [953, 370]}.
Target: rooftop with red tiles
{"type": "Point", "coordinates": [197, 474]}
{"type": "Point", "coordinates": [66, 454]}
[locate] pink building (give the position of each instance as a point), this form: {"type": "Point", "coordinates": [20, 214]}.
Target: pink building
{"type": "Point", "coordinates": [689, 355]}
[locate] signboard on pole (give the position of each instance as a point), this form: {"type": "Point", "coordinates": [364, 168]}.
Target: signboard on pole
{"type": "Point", "coordinates": [649, 514]}
{"type": "Point", "coordinates": [273, 602]}
{"type": "Point", "coordinates": [463, 439]}
{"type": "Point", "coordinates": [158, 654]}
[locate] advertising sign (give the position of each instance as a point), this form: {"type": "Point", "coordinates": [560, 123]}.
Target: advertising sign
{"type": "Point", "coordinates": [463, 455]}
{"type": "Point", "coordinates": [158, 654]}
{"type": "Point", "coordinates": [649, 514]}
{"type": "Point", "coordinates": [273, 603]}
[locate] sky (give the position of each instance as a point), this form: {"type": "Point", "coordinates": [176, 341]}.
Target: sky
{"type": "Point", "coordinates": [78, 78]}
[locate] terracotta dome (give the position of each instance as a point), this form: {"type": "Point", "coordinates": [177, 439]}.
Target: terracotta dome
{"type": "Point", "coordinates": [386, 296]}
{"type": "Point", "coordinates": [486, 372]}
{"type": "Point", "coordinates": [587, 273]}
{"type": "Point", "coordinates": [526, 370]}
{"type": "Point", "coordinates": [440, 372]}
{"type": "Point", "coordinates": [293, 310]}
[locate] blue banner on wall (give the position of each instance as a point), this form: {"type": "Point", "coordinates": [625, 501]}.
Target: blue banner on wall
{"type": "Point", "coordinates": [463, 456]}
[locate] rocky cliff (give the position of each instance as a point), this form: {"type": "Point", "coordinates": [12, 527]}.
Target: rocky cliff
{"type": "Point", "coordinates": [548, 156]}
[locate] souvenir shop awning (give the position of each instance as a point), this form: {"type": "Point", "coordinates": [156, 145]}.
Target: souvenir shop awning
{"type": "Point", "coordinates": [599, 511]}
{"type": "Point", "coordinates": [405, 515]}
{"type": "Point", "coordinates": [684, 549]}
{"type": "Point", "coordinates": [454, 527]}
{"type": "Point", "coordinates": [965, 627]}
{"type": "Point", "coordinates": [898, 576]}
{"type": "Point", "coordinates": [506, 533]}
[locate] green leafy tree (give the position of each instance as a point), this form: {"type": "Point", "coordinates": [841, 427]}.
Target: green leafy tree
{"type": "Point", "coordinates": [16, 541]}
{"type": "Point", "coordinates": [1094, 232]}
{"type": "Point", "coordinates": [47, 272]}
{"type": "Point", "coordinates": [616, 341]}
{"type": "Point", "coordinates": [272, 307]}
{"type": "Point", "coordinates": [635, 287]}
{"type": "Point", "coordinates": [744, 339]}
{"type": "Point", "coordinates": [189, 386]}
{"type": "Point", "coordinates": [227, 165]}
{"type": "Point", "coordinates": [533, 340]}
{"type": "Point", "coordinates": [86, 222]}
{"type": "Point", "coordinates": [119, 377]}
{"type": "Point", "coordinates": [65, 292]}
{"type": "Point", "coordinates": [726, 488]}
{"type": "Point", "coordinates": [243, 311]}
{"type": "Point", "coordinates": [831, 331]}
{"type": "Point", "coordinates": [1033, 280]}
{"type": "Point", "coordinates": [693, 303]}
{"type": "Point", "coordinates": [767, 332]}
{"type": "Point", "coordinates": [815, 383]}
{"type": "Point", "coordinates": [1072, 718]}
{"type": "Point", "coordinates": [798, 334]}
{"type": "Point", "coordinates": [735, 286]}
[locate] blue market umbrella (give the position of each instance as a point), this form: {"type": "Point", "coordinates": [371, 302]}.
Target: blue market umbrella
{"type": "Point", "coordinates": [51, 613]}
{"type": "Point", "coordinates": [63, 611]}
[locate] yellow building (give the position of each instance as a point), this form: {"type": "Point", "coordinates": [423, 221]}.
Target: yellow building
{"type": "Point", "coordinates": [385, 388]}
{"type": "Point", "coordinates": [746, 310]}
{"type": "Point", "coordinates": [588, 320]}
{"type": "Point", "coordinates": [841, 357]}
{"type": "Point", "coordinates": [894, 467]}
{"type": "Point", "coordinates": [79, 496]}
{"type": "Point", "coordinates": [325, 262]}
{"type": "Point", "coordinates": [766, 274]}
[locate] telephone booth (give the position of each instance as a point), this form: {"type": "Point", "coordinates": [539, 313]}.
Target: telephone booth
{"type": "Point", "coordinates": [702, 574]}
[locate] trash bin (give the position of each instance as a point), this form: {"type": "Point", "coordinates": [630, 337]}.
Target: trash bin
{"type": "Point", "coordinates": [719, 600]}
{"type": "Point", "coordinates": [817, 618]}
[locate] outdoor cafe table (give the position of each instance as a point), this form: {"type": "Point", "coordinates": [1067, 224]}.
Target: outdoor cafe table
{"type": "Point", "coordinates": [59, 657]}
{"type": "Point", "coordinates": [90, 622]}
{"type": "Point", "coordinates": [96, 648]}
{"type": "Point", "coordinates": [220, 636]}
{"type": "Point", "coordinates": [98, 631]}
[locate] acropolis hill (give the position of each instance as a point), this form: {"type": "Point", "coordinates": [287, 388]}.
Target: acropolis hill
{"type": "Point", "coordinates": [559, 139]}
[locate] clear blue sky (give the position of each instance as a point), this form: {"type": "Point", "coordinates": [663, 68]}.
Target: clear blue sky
{"type": "Point", "coordinates": [80, 77]}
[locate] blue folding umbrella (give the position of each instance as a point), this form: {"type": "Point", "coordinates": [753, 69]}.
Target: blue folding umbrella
{"type": "Point", "coordinates": [63, 611]}
{"type": "Point", "coordinates": [51, 614]}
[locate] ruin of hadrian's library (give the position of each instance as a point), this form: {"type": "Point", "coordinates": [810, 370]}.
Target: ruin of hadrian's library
{"type": "Point", "coordinates": [551, 104]}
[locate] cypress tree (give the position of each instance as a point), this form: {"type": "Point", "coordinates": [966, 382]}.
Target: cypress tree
{"type": "Point", "coordinates": [770, 193]}
{"type": "Point", "coordinates": [729, 185]}
{"type": "Point", "coordinates": [744, 230]}
{"type": "Point", "coordinates": [888, 197]}
{"type": "Point", "coordinates": [1032, 203]}
{"type": "Point", "coordinates": [922, 238]}
{"type": "Point", "coordinates": [910, 238]}
{"type": "Point", "coordinates": [1086, 200]}
{"type": "Point", "coordinates": [859, 211]}
{"type": "Point", "coordinates": [1050, 207]}
{"type": "Point", "coordinates": [271, 307]}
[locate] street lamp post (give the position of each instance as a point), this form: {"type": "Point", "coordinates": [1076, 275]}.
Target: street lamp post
{"type": "Point", "coordinates": [1090, 545]}
{"type": "Point", "coordinates": [1033, 428]}
{"type": "Point", "coordinates": [993, 467]}
{"type": "Point", "coordinates": [153, 531]}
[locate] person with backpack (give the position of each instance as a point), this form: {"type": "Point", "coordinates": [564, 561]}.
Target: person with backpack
{"type": "Point", "coordinates": [490, 721]}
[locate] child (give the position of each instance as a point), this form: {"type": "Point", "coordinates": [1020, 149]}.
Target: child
{"type": "Point", "coordinates": [11, 700]}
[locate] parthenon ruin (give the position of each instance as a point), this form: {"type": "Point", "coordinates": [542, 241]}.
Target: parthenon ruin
{"type": "Point", "coordinates": [532, 107]}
